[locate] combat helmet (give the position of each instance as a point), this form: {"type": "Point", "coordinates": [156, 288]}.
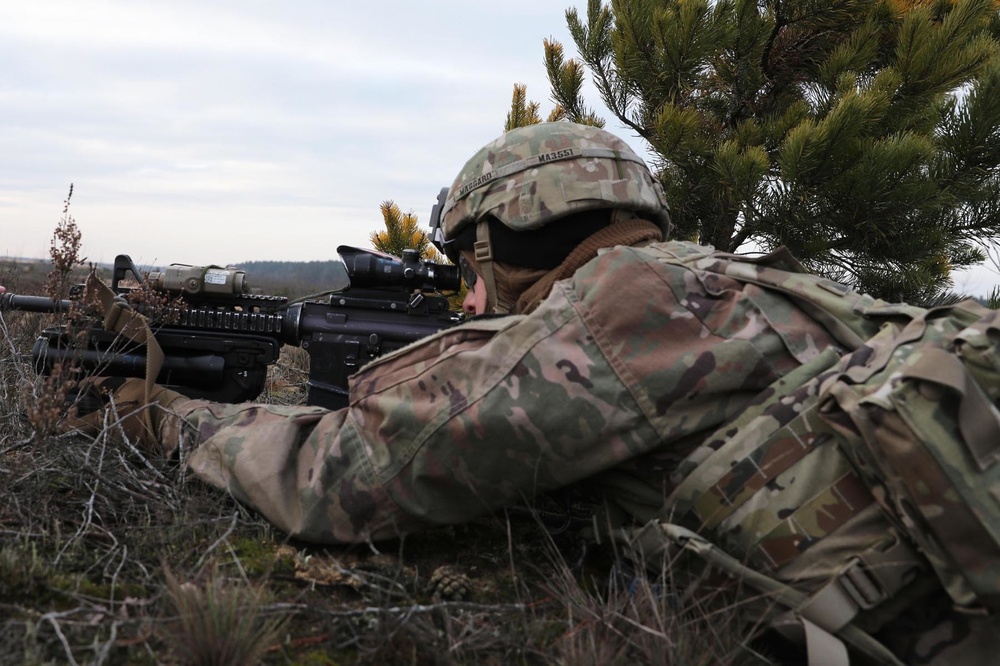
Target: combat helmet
{"type": "Point", "coordinates": [532, 176]}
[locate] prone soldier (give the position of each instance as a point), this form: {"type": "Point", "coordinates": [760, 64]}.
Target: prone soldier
{"type": "Point", "coordinates": [836, 450]}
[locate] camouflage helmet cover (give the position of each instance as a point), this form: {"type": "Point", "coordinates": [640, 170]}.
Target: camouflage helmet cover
{"type": "Point", "coordinates": [531, 176]}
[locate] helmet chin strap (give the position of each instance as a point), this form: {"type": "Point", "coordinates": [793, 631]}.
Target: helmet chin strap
{"type": "Point", "coordinates": [484, 257]}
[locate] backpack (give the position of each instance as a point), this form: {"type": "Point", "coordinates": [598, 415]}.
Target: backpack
{"type": "Point", "coordinates": [856, 483]}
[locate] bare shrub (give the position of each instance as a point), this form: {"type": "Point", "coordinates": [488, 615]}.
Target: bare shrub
{"type": "Point", "coordinates": [48, 403]}
{"type": "Point", "coordinates": [64, 250]}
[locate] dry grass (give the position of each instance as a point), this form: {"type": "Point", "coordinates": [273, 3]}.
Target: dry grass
{"type": "Point", "coordinates": [108, 555]}
{"type": "Point", "coordinates": [219, 623]}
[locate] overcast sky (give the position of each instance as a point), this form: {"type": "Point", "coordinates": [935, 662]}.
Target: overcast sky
{"type": "Point", "coordinates": [231, 131]}
{"type": "Point", "coordinates": [224, 131]}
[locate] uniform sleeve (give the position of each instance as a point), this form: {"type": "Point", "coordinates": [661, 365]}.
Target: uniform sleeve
{"type": "Point", "coordinates": [440, 432]}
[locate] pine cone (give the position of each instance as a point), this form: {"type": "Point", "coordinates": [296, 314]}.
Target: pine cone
{"type": "Point", "coordinates": [447, 583]}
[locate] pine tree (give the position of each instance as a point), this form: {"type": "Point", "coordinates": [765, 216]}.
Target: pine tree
{"type": "Point", "coordinates": [522, 112]}
{"type": "Point", "coordinates": [864, 135]}
{"type": "Point", "coordinates": [402, 232]}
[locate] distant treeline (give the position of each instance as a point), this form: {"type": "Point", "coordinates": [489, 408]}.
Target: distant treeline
{"type": "Point", "coordinates": [289, 278]}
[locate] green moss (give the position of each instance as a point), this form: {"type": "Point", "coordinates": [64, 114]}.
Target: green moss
{"type": "Point", "coordinates": [315, 658]}
{"type": "Point", "coordinates": [261, 557]}
{"type": "Point", "coordinates": [105, 590]}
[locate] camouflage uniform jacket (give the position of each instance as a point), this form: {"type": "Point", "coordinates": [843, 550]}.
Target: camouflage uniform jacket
{"type": "Point", "coordinates": [623, 369]}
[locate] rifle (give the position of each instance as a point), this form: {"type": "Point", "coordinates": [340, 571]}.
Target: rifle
{"type": "Point", "coordinates": [219, 340]}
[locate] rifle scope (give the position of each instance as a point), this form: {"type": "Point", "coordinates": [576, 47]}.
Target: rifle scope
{"type": "Point", "coordinates": [368, 268]}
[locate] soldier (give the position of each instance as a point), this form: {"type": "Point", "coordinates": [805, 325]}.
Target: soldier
{"type": "Point", "coordinates": [726, 404]}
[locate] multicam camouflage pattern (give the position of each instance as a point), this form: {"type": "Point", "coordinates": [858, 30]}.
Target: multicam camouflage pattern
{"type": "Point", "coordinates": [483, 414]}
{"type": "Point", "coordinates": [935, 632]}
{"type": "Point", "coordinates": [868, 476]}
{"type": "Point", "coordinates": [533, 175]}
{"type": "Point", "coordinates": [679, 384]}
{"type": "Point", "coordinates": [773, 483]}
{"type": "Point", "coordinates": [925, 433]}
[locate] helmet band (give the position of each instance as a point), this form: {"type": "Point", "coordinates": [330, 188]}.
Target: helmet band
{"type": "Point", "coordinates": [532, 162]}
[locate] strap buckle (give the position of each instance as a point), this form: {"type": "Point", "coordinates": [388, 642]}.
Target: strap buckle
{"type": "Point", "coordinates": [483, 251]}
{"type": "Point", "coordinates": [861, 585]}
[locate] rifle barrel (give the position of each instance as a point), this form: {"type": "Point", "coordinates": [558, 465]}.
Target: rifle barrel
{"type": "Point", "coordinates": [32, 303]}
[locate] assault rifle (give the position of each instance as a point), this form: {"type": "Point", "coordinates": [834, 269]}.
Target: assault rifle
{"type": "Point", "coordinates": [220, 339]}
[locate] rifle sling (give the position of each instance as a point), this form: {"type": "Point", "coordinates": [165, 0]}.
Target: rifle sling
{"type": "Point", "coordinates": [120, 318]}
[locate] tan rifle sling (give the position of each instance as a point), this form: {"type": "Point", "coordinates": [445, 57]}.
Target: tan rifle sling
{"type": "Point", "coordinates": [120, 318]}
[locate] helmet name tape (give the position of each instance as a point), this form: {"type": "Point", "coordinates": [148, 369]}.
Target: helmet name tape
{"type": "Point", "coordinates": [478, 182]}
{"type": "Point", "coordinates": [535, 160]}
{"type": "Point", "coordinates": [557, 155]}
